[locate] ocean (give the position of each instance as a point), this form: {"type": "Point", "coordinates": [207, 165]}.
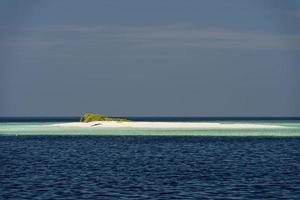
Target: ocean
{"type": "Point", "coordinates": [42, 162]}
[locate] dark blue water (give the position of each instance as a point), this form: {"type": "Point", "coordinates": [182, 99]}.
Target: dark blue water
{"type": "Point", "coordinates": [91, 167]}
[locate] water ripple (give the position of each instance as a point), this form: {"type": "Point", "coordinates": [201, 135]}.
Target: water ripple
{"type": "Point", "coordinates": [87, 167]}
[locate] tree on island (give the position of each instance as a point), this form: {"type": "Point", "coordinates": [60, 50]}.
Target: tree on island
{"type": "Point", "coordinates": [91, 117]}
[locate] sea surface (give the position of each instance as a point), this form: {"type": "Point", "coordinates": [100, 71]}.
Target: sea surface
{"type": "Point", "coordinates": [39, 162]}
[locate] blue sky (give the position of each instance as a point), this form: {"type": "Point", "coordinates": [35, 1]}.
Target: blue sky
{"type": "Point", "coordinates": [157, 58]}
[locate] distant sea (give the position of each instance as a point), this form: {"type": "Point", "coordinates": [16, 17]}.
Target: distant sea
{"type": "Point", "coordinates": [146, 118]}
{"type": "Point", "coordinates": [39, 161]}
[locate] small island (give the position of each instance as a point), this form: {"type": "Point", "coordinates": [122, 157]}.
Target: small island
{"type": "Point", "coordinates": [92, 117]}
{"type": "Point", "coordinates": [92, 120]}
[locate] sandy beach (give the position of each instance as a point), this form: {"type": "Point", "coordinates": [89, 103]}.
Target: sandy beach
{"type": "Point", "coordinates": [167, 125]}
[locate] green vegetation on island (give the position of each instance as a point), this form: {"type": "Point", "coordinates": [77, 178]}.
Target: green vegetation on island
{"type": "Point", "coordinates": [91, 117]}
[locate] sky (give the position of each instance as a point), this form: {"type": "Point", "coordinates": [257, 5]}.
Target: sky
{"type": "Point", "coordinates": [150, 58]}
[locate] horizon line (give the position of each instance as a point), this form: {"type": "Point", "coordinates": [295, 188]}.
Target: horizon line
{"type": "Point", "coordinates": [148, 118]}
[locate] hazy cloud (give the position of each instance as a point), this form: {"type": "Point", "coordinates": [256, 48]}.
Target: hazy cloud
{"type": "Point", "coordinates": [150, 37]}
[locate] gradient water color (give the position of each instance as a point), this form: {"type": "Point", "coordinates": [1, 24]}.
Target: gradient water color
{"type": "Point", "coordinates": [291, 128]}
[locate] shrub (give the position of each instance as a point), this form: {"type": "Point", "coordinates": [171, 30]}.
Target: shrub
{"type": "Point", "coordinates": [90, 117]}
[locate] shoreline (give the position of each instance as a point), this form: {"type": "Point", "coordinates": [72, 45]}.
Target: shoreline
{"type": "Point", "coordinates": [166, 125]}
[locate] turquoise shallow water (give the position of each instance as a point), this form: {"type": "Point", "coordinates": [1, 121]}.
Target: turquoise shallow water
{"type": "Point", "coordinates": [292, 128]}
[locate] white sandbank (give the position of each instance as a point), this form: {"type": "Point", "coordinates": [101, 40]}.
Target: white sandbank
{"type": "Point", "coordinates": [167, 125]}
